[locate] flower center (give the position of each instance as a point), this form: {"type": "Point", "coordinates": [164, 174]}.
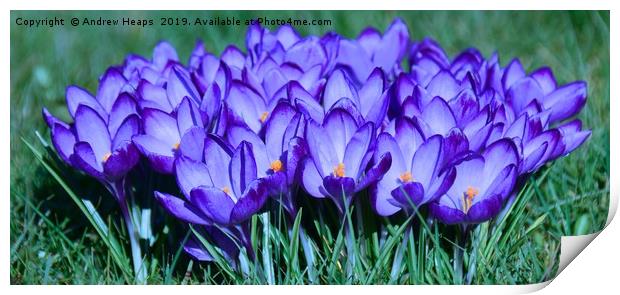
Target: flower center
{"type": "Point", "coordinates": [263, 117]}
{"type": "Point", "coordinates": [176, 146]}
{"type": "Point", "coordinates": [226, 190]}
{"type": "Point", "coordinates": [339, 170]}
{"type": "Point", "coordinates": [406, 177]}
{"type": "Point", "coordinates": [276, 166]}
{"type": "Point", "coordinates": [468, 198]}
{"type": "Point", "coordinates": [106, 156]}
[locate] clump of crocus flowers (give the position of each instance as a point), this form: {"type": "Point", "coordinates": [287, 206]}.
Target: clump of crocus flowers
{"type": "Point", "coordinates": [321, 116]}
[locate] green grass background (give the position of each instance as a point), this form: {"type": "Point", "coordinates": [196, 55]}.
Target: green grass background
{"type": "Point", "coordinates": [51, 243]}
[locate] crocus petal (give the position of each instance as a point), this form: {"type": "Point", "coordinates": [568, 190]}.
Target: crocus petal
{"type": "Point", "coordinates": [369, 39]}
{"type": "Point", "coordinates": [247, 104]}
{"type": "Point", "coordinates": [311, 179]}
{"type": "Point", "coordinates": [566, 101]}
{"type": "Point", "coordinates": [77, 96]}
{"type": "Point", "coordinates": [282, 116]}
{"type": "Point", "coordinates": [340, 189]}
{"type": "Point", "coordinates": [127, 129]}
{"type": "Point", "coordinates": [297, 151]}
{"type": "Point", "coordinates": [356, 150]}
{"type": "Point", "coordinates": [248, 204]}
{"type": "Point", "coordinates": [484, 210]}
{"type": "Point", "coordinates": [242, 168]}
{"type": "Point", "coordinates": [440, 185]}
{"type": "Point", "coordinates": [321, 148]}
{"type": "Point", "coordinates": [573, 141]}
{"type": "Point", "coordinates": [159, 154]}
{"type": "Point", "coordinates": [121, 161]}
{"type": "Point", "coordinates": [211, 101]}
{"type": "Point", "coordinates": [497, 156]}
{"type": "Point", "coordinates": [546, 80]}
{"type": "Point", "coordinates": [193, 143]}
{"type": "Point", "coordinates": [156, 95]}
{"type": "Point", "coordinates": [513, 72]}
{"type": "Point", "coordinates": [438, 116]}
{"type": "Point", "coordinates": [522, 92]}
{"type": "Point", "coordinates": [181, 209]}
{"type": "Point", "coordinates": [306, 54]}
{"type": "Point", "coordinates": [110, 87]}
{"type": "Point", "coordinates": [503, 184]}
{"type": "Point", "coordinates": [409, 137]}
{"type": "Point", "coordinates": [446, 214]}
{"type": "Point", "coordinates": [162, 126]}
{"type": "Point", "coordinates": [552, 138]}
{"type": "Point", "coordinates": [532, 155]}
{"type": "Point", "coordinates": [233, 56]}
{"type": "Point", "coordinates": [213, 202]}
{"type": "Point", "coordinates": [468, 174]}
{"type": "Point", "coordinates": [84, 158]}
{"type": "Point", "coordinates": [337, 87]}
{"type": "Point", "coordinates": [443, 85]}
{"type": "Point", "coordinates": [188, 116]}
{"type": "Point", "coordinates": [163, 53]}
{"type": "Point", "coordinates": [426, 161]}
{"type": "Point", "coordinates": [375, 173]}
{"type": "Point", "coordinates": [353, 55]}
{"type": "Point", "coordinates": [63, 141]}
{"type": "Point", "coordinates": [194, 249]}
{"type": "Point", "coordinates": [191, 174]}
{"type": "Point", "coordinates": [180, 86]}
{"type": "Point", "coordinates": [287, 36]}
{"type": "Point", "coordinates": [91, 128]}
{"type": "Point", "coordinates": [393, 45]}
{"type": "Point", "coordinates": [465, 107]}
{"type": "Point", "coordinates": [408, 195]}
{"type": "Point", "coordinates": [217, 156]}
{"type": "Point", "coordinates": [237, 134]}
{"type": "Point", "coordinates": [340, 127]}
{"type": "Point", "coordinates": [123, 107]}
{"type": "Point", "coordinates": [380, 193]}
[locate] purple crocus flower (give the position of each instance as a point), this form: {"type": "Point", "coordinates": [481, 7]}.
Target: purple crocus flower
{"type": "Point", "coordinates": [415, 176]}
{"type": "Point", "coordinates": [167, 97]}
{"type": "Point", "coordinates": [136, 68]}
{"type": "Point", "coordinates": [481, 186]}
{"type": "Point", "coordinates": [339, 152]}
{"type": "Point", "coordinates": [99, 140]}
{"type": "Point", "coordinates": [226, 198]}
{"type": "Point", "coordinates": [367, 102]}
{"type": "Point", "coordinates": [371, 50]}
{"type": "Point", "coordinates": [99, 143]}
{"type": "Point", "coordinates": [278, 156]}
{"type": "Point", "coordinates": [163, 134]}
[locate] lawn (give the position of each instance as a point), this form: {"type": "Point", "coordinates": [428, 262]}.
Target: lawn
{"type": "Point", "coordinates": [53, 243]}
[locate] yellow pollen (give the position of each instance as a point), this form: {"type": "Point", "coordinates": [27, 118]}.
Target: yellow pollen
{"type": "Point", "coordinates": [468, 198]}
{"type": "Point", "coordinates": [339, 170]}
{"type": "Point", "coordinates": [176, 146]}
{"type": "Point", "coordinates": [406, 177]}
{"type": "Point", "coordinates": [226, 190]}
{"type": "Point", "coordinates": [276, 166]}
{"type": "Point", "coordinates": [263, 117]}
{"type": "Point", "coordinates": [106, 157]}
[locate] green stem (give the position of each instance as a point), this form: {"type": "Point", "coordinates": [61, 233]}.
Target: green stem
{"type": "Point", "coordinates": [118, 189]}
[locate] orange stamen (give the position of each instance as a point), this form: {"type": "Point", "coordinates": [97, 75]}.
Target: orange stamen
{"type": "Point", "coordinates": [339, 170]}
{"type": "Point", "coordinates": [468, 198]}
{"type": "Point", "coordinates": [276, 166]}
{"type": "Point", "coordinates": [406, 177]}
{"type": "Point", "coordinates": [263, 117]}
{"type": "Point", "coordinates": [106, 157]}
